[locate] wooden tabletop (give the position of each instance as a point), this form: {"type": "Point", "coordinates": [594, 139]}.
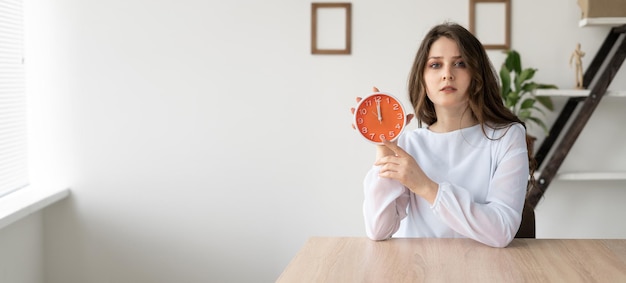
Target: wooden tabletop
{"type": "Point", "coordinates": [457, 260]}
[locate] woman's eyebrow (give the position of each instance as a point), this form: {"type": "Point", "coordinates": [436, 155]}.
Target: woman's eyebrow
{"type": "Point", "coordinates": [441, 57]}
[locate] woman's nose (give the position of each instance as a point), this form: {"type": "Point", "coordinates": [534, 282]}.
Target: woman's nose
{"type": "Point", "coordinates": [447, 74]}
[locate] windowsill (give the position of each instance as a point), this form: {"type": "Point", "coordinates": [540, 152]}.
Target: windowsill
{"type": "Point", "coordinates": [26, 201]}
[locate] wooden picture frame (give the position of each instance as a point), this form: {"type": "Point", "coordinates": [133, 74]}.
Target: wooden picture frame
{"type": "Point", "coordinates": [502, 9]}
{"type": "Point", "coordinates": [331, 28]}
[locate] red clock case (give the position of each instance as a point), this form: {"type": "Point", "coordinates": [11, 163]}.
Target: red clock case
{"type": "Point", "coordinates": [392, 117]}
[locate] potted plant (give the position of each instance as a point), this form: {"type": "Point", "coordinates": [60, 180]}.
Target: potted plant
{"type": "Point", "coordinates": [518, 91]}
{"type": "Point", "coordinates": [518, 95]}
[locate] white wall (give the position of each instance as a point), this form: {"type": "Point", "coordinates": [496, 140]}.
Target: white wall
{"type": "Point", "coordinates": [21, 251]}
{"type": "Point", "coordinates": [203, 142]}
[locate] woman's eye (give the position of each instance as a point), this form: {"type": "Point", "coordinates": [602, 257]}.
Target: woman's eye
{"type": "Point", "coordinates": [460, 64]}
{"type": "Point", "coordinates": [434, 65]}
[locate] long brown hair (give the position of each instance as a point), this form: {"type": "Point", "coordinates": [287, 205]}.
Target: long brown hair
{"type": "Point", "coordinates": [485, 100]}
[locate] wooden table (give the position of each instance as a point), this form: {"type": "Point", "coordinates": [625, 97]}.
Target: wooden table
{"type": "Point", "coordinates": [457, 260]}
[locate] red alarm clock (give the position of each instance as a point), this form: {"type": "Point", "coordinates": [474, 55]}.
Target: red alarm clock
{"type": "Point", "coordinates": [379, 116]}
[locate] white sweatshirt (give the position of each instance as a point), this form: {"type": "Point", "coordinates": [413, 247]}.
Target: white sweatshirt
{"type": "Point", "coordinates": [482, 185]}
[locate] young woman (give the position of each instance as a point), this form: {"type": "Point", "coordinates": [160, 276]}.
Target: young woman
{"type": "Point", "coordinates": [466, 173]}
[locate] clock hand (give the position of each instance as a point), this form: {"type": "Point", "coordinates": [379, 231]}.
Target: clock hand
{"type": "Point", "coordinates": [380, 117]}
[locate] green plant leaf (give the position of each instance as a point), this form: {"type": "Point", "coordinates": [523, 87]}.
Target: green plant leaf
{"type": "Point", "coordinates": [524, 114]}
{"type": "Point", "coordinates": [540, 110]}
{"type": "Point", "coordinates": [546, 101]}
{"type": "Point", "coordinates": [512, 98]}
{"type": "Point", "coordinates": [505, 77]}
{"type": "Point", "coordinates": [527, 103]}
{"type": "Point", "coordinates": [526, 74]}
{"type": "Point", "coordinates": [540, 123]}
{"type": "Point", "coordinates": [529, 87]}
{"type": "Point", "coordinates": [513, 61]}
{"type": "Point", "coordinates": [546, 86]}
{"type": "Point", "coordinates": [518, 86]}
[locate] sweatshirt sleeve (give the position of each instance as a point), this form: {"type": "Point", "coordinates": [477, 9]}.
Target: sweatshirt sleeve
{"type": "Point", "coordinates": [496, 221]}
{"type": "Point", "coordinates": [384, 205]}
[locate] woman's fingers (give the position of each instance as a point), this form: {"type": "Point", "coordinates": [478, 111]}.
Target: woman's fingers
{"type": "Point", "coordinates": [395, 148]}
{"type": "Point", "coordinates": [409, 118]}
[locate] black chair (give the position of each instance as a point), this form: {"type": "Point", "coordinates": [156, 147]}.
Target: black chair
{"type": "Point", "coordinates": [527, 227]}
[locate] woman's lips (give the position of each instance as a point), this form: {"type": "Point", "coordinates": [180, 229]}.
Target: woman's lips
{"type": "Point", "coordinates": [448, 89]}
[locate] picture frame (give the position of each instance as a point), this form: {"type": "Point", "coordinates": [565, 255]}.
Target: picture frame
{"type": "Point", "coordinates": [490, 22]}
{"type": "Point", "coordinates": [331, 28]}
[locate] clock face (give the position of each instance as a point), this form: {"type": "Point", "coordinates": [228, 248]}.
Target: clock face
{"type": "Point", "coordinates": [379, 116]}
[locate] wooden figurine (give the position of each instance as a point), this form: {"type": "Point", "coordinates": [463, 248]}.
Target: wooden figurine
{"type": "Point", "coordinates": [577, 56]}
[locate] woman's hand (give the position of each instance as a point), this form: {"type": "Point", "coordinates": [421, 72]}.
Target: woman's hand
{"type": "Point", "coordinates": [402, 167]}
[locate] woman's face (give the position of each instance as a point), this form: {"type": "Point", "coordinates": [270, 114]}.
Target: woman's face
{"type": "Point", "coordinates": [446, 75]}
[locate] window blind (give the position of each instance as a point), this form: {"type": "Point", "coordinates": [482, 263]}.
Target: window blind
{"type": "Point", "coordinates": [13, 158]}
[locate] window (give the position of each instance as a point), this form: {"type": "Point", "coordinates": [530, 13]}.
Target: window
{"type": "Point", "coordinates": [13, 158]}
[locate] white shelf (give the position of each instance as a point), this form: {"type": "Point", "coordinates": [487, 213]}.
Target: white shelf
{"type": "Point", "coordinates": [576, 92]}
{"type": "Point", "coordinates": [604, 21]}
{"type": "Point", "coordinates": [588, 176]}
{"type": "Point", "coordinates": [592, 176]}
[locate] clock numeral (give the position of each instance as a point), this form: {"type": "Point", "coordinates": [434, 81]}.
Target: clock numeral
{"type": "Point", "coordinates": [363, 111]}
{"type": "Point", "coordinates": [392, 134]}
{"type": "Point", "coordinates": [364, 130]}
{"type": "Point", "coordinates": [368, 103]}
{"type": "Point", "coordinates": [359, 121]}
{"type": "Point", "coordinates": [396, 106]}
{"type": "Point", "coordinates": [400, 117]}
{"type": "Point", "coordinates": [397, 126]}
{"type": "Point", "coordinates": [372, 135]}
{"type": "Point", "coordinates": [382, 137]}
